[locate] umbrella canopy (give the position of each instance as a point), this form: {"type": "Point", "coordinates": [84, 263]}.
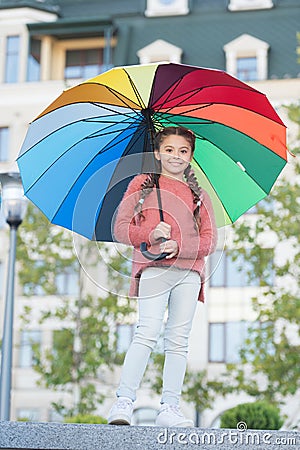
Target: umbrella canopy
{"type": "Point", "coordinates": [81, 152]}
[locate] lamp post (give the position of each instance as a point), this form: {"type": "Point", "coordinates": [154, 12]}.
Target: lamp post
{"type": "Point", "coordinates": [14, 209]}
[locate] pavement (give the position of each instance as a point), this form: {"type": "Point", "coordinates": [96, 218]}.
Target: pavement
{"type": "Point", "coordinates": [57, 436]}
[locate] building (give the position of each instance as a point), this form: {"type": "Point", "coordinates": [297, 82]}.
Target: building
{"type": "Point", "coordinates": [48, 45]}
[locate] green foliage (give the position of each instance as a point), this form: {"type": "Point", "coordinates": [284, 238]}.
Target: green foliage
{"type": "Point", "coordinates": [201, 391]}
{"type": "Point", "coordinates": [62, 366]}
{"type": "Point", "coordinates": [256, 416]}
{"type": "Point", "coordinates": [198, 389]}
{"type": "Point", "coordinates": [43, 252]}
{"type": "Point", "coordinates": [84, 341]}
{"type": "Point", "coordinates": [272, 349]}
{"type": "Point", "coordinates": [85, 418]}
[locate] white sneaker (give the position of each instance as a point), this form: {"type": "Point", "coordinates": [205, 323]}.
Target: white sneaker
{"type": "Point", "coordinates": [171, 416]}
{"type": "Point", "coordinates": [121, 412]}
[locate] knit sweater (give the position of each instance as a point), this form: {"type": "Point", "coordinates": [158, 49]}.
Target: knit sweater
{"type": "Point", "coordinates": [194, 243]}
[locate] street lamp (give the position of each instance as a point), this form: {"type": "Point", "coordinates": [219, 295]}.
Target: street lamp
{"type": "Point", "coordinates": [14, 209]}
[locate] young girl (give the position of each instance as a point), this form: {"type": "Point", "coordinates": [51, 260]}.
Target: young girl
{"type": "Point", "coordinates": [174, 283]}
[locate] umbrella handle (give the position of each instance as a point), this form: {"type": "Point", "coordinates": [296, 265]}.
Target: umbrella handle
{"type": "Point", "coordinates": [144, 246]}
{"type": "Point", "coordinates": [152, 256]}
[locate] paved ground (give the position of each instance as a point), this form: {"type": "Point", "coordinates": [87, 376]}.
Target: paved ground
{"type": "Point", "coordinates": [55, 436]}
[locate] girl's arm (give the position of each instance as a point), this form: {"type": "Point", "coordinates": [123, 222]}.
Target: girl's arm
{"type": "Point", "coordinates": [208, 233]}
{"type": "Point", "coordinates": [126, 228]}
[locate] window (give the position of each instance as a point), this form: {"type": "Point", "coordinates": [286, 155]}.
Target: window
{"type": "Point", "coordinates": [159, 50]}
{"type": "Point", "coordinates": [228, 273]}
{"type": "Point", "coordinates": [247, 69]}
{"type": "Point", "coordinates": [12, 59]}
{"type": "Point", "coordinates": [62, 349]}
{"type": "Point", "coordinates": [4, 136]}
{"type": "Point", "coordinates": [84, 63]}
{"type": "Point", "coordinates": [247, 58]}
{"type": "Point", "coordinates": [33, 287]}
{"type": "Point", "coordinates": [67, 282]}
{"type": "Point", "coordinates": [166, 8]}
{"type": "Point", "coordinates": [34, 60]}
{"type": "Point", "coordinates": [28, 341]}
{"type": "Point", "coordinates": [225, 341]}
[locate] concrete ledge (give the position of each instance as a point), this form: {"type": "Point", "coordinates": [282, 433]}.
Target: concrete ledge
{"type": "Point", "coordinates": [55, 436]}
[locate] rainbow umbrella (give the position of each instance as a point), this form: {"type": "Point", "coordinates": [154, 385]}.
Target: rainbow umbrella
{"type": "Point", "coordinates": [81, 152]}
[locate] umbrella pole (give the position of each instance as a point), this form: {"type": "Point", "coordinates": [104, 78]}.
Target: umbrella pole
{"type": "Point", "coordinates": [151, 132]}
{"type": "Point", "coordinates": [143, 247]}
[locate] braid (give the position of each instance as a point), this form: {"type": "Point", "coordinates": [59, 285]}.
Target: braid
{"type": "Point", "coordinates": [196, 191]}
{"type": "Point", "coordinates": [146, 188]}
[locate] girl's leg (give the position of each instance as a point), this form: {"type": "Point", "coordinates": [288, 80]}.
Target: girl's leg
{"type": "Point", "coordinates": [153, 299]}
{"type": "Point", "coordinates": [182, 305]}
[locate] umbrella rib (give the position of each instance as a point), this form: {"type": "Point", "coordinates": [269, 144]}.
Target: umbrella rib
{"type": "Point", "coordinates": [213, 122]}
{"type": "Point", "coordinates": [135, 90]}
{"type": "Point", "coordinates": [196, 91]}
{"type": "Point", "coordinates": [204, 105]}
{"type": "Point", "coordinates": [207, 105]}
{"type": "Point", "coordinates": [192, 93]}
{"type": "Point", "coordinates": [77, 121]}
{"type": "Point", "coordinates": [191, 122]}
{"type": "Point", "coordinates": [101, 105]}
{"type": "Point", "coordinates": [115, 93]}
{"type": "Point", "coordinates": [77, 178]}
{"type": "Point", "coordinates": [175, 85]}
{"type": "Point", "coordinates": [110, 145]}
{"type": "Point", "coordinates": [62, 154]}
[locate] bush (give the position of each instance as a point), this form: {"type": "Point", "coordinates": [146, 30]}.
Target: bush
{"type": "Point", "coordinates": [255, 416]}
{"type": "Point", "coordinates": [85, 418]}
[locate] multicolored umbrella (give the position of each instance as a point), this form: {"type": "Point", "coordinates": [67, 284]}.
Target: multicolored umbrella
{"type": "Point", "coordinates": [81, 152]}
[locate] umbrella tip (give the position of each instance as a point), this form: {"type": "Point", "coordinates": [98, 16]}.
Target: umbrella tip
{"type": "Point", "coordinates": [241, 166]}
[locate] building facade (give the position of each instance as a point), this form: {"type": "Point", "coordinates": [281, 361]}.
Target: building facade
{"type": "Point", "coordinates": [47, 46]}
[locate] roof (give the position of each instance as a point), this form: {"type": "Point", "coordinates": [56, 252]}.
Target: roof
{"type": "Point", "coordinates": [201, 34]}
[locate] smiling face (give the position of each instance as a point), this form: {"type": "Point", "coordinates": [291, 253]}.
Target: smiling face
{"type": "Point", "coordinates": [175, 154]}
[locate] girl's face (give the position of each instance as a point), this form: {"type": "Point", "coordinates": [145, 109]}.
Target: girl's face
{"type": "Point", "coordinates": [175, 154]}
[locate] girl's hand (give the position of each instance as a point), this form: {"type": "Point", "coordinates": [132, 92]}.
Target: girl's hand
{"type": "Point", "coordinates": [162, 230]}
{"type": "Point", "coordinates": [169, 246]}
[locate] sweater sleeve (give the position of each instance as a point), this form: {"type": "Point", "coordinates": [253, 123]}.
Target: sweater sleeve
{"type": "Point", "coordinates": [128, 229]}
{"type": "Point", "coordinates": [208, 233]}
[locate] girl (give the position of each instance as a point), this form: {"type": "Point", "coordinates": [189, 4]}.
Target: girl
{"type": "Point", "coordinates": [175, 282]}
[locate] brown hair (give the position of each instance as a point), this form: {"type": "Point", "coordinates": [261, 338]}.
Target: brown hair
{"type": "Point", "coordinates": [149, 183]}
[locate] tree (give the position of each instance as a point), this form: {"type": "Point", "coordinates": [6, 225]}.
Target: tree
{"type": "Point", "coordinates": [198, 388]}
{"type": "Point", "coordinates": [84, 341]}
{"type": "Point", "coordinates": [255, 416]}
{"type": "Point", "coordinates": [272, 350]}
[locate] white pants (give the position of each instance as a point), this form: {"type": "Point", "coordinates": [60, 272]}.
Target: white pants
{"type": "Point", "coordinates": [161, 288]}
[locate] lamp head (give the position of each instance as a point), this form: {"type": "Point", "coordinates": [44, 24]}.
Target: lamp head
{"type": "Point", "coordinates": [13, 202]}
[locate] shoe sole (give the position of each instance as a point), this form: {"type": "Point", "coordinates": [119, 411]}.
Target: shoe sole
{"type": "Point", "coordinates": [184, 424]}
{"type": "Point", "coordinates": [118, 422]}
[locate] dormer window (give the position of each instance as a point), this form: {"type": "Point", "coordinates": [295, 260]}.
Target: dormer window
{"type": "Point", "coordinates": [159, 51]}
{"type": "Point", "coordinates": [244, 5]}
{"type": "Point", "coordinates": [166, 8]}
{"type": "Point", "coordinates": [247, 58]}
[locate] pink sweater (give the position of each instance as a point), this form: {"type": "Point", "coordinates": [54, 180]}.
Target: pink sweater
{"type": "Point", "coordinates": [178, 208]}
